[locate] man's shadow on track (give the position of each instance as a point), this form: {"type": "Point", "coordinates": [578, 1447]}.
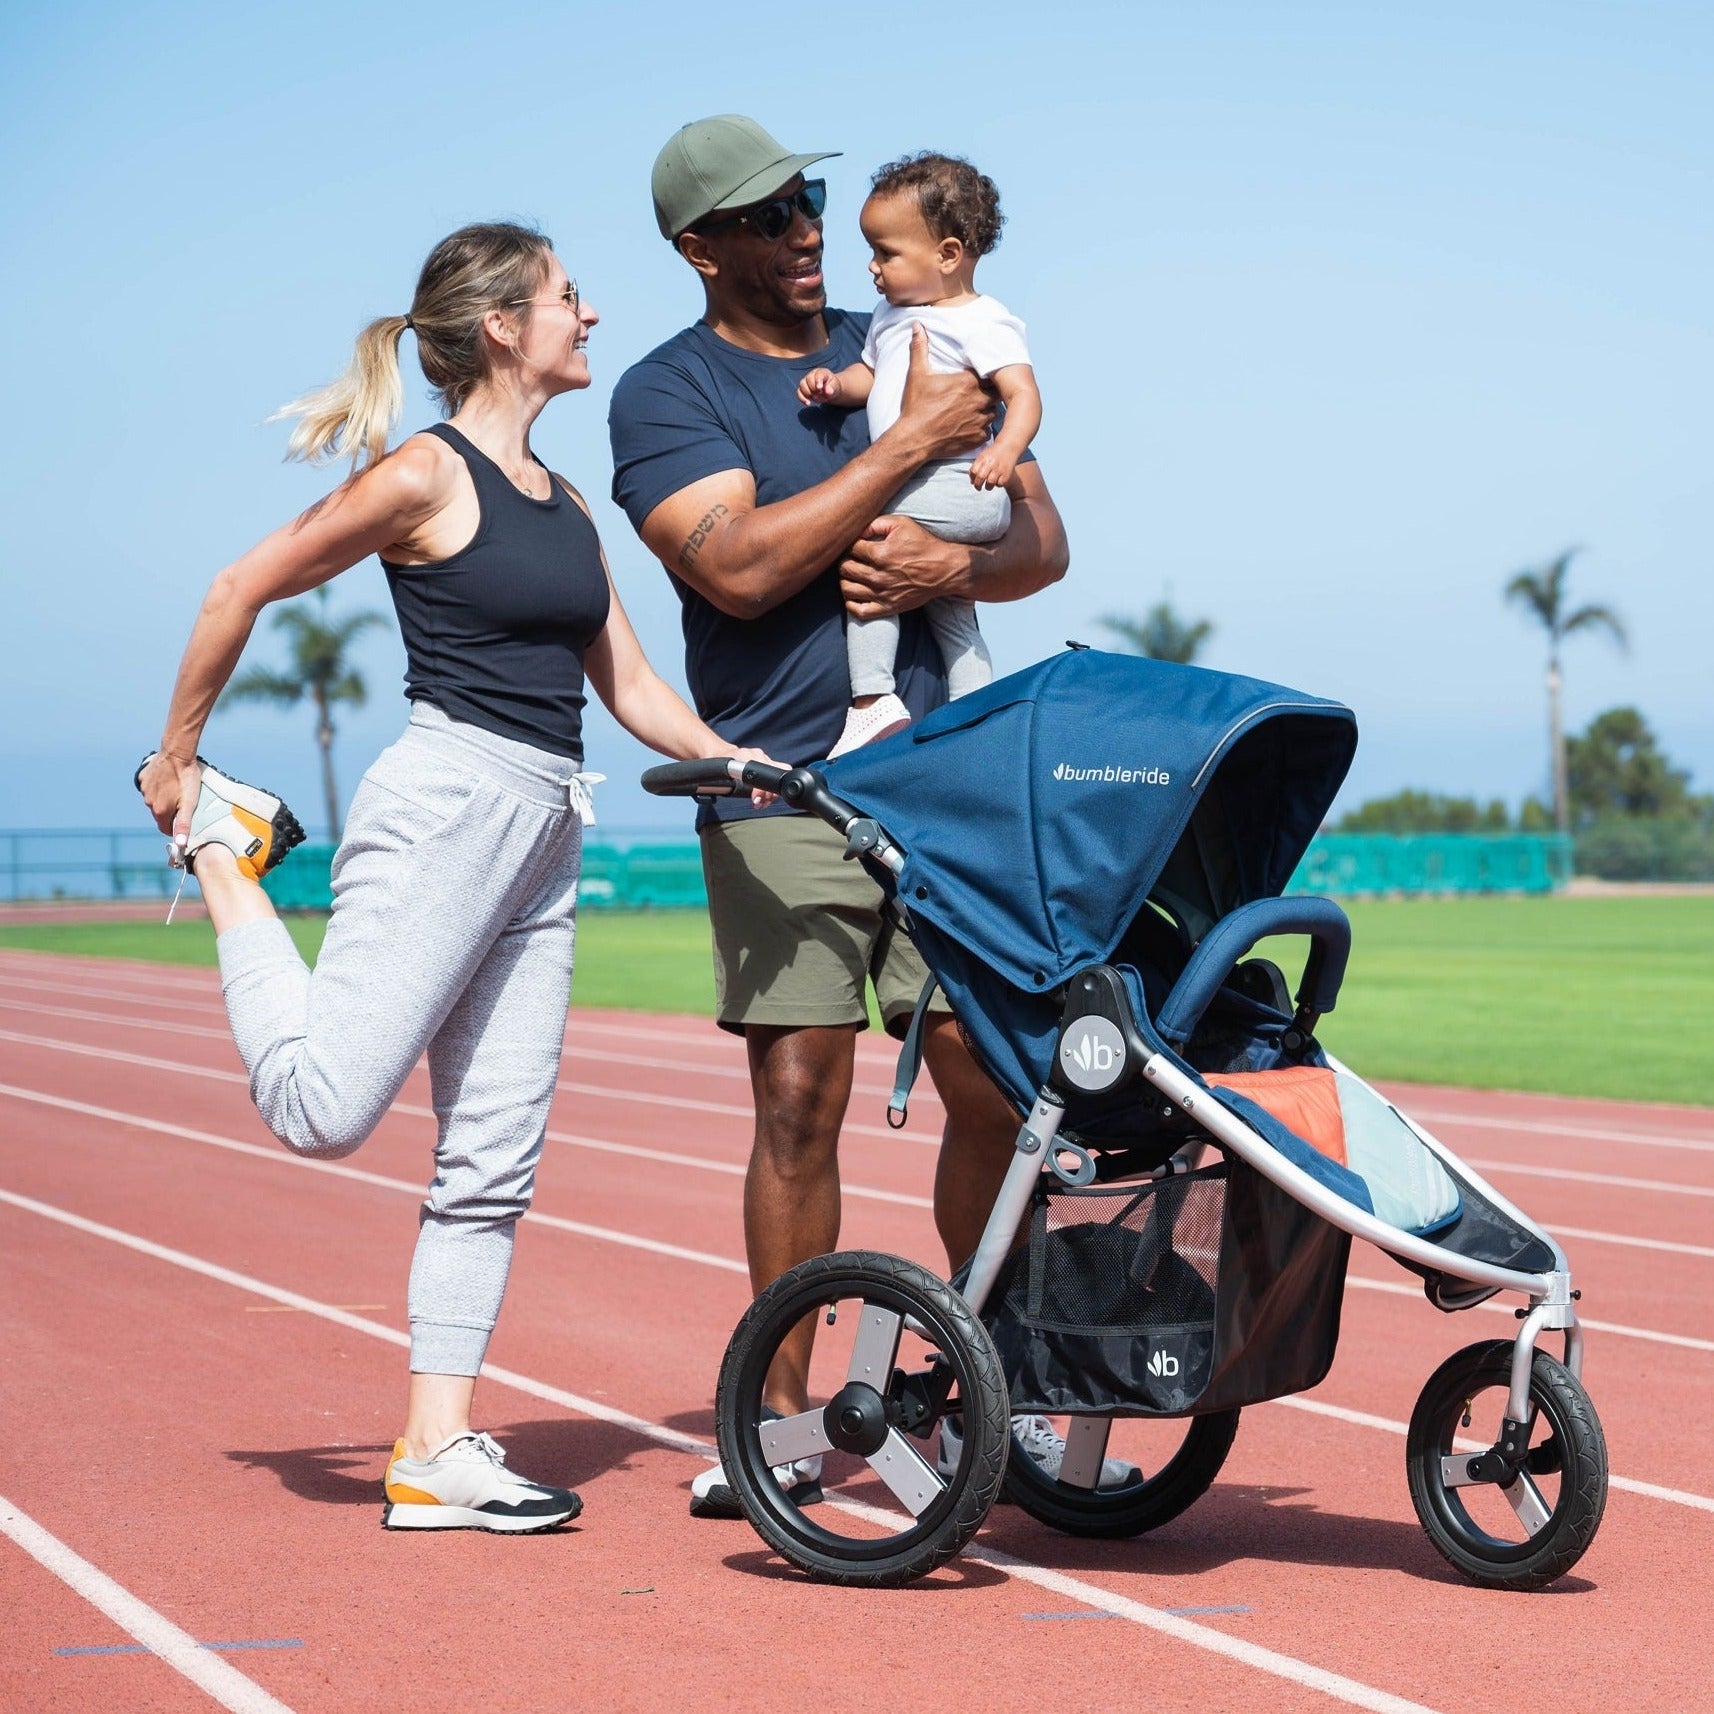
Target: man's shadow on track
{"type": "Point", "coordinates": [563, 1450]}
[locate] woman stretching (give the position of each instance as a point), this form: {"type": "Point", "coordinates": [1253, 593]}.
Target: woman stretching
{"type": "Point", "coordinates": [455, 885]}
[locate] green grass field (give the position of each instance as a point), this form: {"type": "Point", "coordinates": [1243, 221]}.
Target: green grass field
{"type": "Point", "coordinates": [1569, 996]}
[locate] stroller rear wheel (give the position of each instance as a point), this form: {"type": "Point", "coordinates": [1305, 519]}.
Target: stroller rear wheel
{"type": "Point", "coordinates": [1074, 1505]}
{"type": "Point", "coordinates": [1521, 1533]}
{"type": "Point", "coordinates": [901, 1351]}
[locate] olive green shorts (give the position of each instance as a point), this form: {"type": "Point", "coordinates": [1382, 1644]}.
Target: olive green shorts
{"type": "Point", "coordinates": [798, 930]}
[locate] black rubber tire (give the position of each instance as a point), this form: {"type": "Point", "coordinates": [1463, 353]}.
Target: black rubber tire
{"type": "Point", "coordinates": [956, 1516]}
{"type": "Point", "coordinates": [1144, 1505]}
{"type": "Point", "coordinates": [1559, 1397]}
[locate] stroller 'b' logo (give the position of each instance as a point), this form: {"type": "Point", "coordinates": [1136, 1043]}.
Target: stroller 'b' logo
{"type": "Point", "coordinates": [1092, 1054]}
{"type": "Point", "coordinates": [1162, 1366]}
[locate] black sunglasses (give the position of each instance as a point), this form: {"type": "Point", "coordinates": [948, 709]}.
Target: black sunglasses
{"type": "Point", "coordinates": [773, 220]}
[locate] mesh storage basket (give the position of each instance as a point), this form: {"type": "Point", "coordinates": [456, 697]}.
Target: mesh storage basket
{"type": "Point", "coordinates": [1166, 1296]}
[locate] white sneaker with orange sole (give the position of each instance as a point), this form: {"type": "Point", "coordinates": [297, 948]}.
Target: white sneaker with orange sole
{"type": "Point", "coordinates": [254, 825]}
{"type": "Point", "coordinates": [465, 1485]}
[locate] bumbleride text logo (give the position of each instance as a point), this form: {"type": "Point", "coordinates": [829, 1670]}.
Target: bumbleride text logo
{"type": "Point", "coordinates": [1116, 776]}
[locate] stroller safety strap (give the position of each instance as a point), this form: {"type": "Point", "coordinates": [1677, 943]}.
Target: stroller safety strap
{"type": "Point", "coordinates": [910, 1058]}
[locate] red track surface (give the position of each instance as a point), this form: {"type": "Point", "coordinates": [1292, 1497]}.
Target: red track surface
{"type": "Point", "coordinates": [217, 1453]}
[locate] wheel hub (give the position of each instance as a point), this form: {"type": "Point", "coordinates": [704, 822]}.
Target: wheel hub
{"type": "Point", "coordinates": [856, 1419]}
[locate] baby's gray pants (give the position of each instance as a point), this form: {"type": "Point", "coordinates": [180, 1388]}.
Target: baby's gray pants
{"type": "Point", "coordinates": [454, 895]}
{"type": "Point", "coordinates": [942, 498]}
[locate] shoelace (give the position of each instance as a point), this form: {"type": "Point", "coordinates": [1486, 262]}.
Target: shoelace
{"type": "Point", "coordinates": [1039, 1438]}
{"type": "Point", "coordinates": [485, 1445]}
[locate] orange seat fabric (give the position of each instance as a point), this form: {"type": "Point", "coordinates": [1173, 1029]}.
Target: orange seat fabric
{"type": "Point", "coordinates": [1304, 1098]}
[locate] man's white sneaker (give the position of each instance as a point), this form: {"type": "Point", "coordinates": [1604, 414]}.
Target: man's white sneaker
{"type": "Point", "coordinates": [465, 1485]}
{"type": "Point", "coordinates": [711, 1495]}
{"type": "Point", "coordinates": [1036, 1438]}
{"type": "Point", "coordinates": [883, 717]}
{"type": "Point", "coordinates": [254, 825]}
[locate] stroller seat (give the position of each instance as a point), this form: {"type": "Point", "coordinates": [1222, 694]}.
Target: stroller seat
{"type": "Point", "coordinates": [1337, 1121]}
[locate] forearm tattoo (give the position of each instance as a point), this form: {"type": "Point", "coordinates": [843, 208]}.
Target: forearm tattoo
{"type": "Point", "coordinates": [693, 543]}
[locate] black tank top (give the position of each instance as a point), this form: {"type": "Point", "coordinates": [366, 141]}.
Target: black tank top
{"type": "Point", "coordinates": [495, 634]}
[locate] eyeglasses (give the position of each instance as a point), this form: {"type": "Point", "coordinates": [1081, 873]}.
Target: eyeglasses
{"type": "Point", "coordinates": [773, 220]}
{"type": "Point", "coordinates": [568, 298]}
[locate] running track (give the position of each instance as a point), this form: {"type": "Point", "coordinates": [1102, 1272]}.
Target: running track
{"type": "Point", "coordinates": [202, 1378]}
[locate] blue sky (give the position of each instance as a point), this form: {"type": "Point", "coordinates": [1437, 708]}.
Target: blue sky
{"type": "Point", "coordinates": [1341, 314]}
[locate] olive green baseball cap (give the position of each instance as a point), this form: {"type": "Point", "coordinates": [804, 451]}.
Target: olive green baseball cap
{"type": "Point", "coordinates": [724, 162]}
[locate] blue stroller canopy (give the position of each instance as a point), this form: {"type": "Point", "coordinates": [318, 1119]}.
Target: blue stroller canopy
{"type": "Point", "coordinates": [1041, 813]}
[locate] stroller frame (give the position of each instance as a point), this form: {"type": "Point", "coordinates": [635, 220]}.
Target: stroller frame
{"type": "Point", "coordinates": [881, 1408]}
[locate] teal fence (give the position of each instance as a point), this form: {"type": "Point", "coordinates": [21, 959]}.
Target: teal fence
{"type": "Point", "coordinates": [643, 872]}
{"type": "Point", "coordinates": [1357, 863]}
{"type": "Point", "coordinates": [615, 878]}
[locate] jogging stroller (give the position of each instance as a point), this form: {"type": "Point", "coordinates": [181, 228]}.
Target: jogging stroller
{"type": "Point", "coordinates": [1087, 854]}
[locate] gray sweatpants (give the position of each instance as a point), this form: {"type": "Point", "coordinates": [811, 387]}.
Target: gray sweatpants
{"type": "Point", "coordinates": [454, 896]}
{"type": "Point", "coordinates": [943, 500]}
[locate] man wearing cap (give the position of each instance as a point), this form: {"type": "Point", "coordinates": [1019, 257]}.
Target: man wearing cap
{"type": "Point", "coordinates": [767, 516]}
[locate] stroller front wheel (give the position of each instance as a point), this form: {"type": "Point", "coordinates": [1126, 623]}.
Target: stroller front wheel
{"type": "Point", "coordinates": [901, 1352]}
{"type": "Point", "coordinates": [1526, 1532]}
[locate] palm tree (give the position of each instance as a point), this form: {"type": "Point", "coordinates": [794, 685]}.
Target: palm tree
{"type": "Point", "coordinates": [1160, 634]}
{"type": "Point", "coordinates": [319, 670]}
{"type": "Point", "coordinates": [1542, 593]}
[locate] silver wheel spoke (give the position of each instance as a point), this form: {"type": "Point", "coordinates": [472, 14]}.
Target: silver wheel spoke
{"type": "Point", "coordinates": [912, 1479]}
{"type": "Point", "coordinates": [1455, 1471]}
{"type": "Point", "coordinates": [793, 1437]}
{"type": "Point", "coordinates": [875, 1347]}
{"type": "Point", "coordinates": [1085, 1450]}
{"type": "Point", "coordinates": [1525, 1499]}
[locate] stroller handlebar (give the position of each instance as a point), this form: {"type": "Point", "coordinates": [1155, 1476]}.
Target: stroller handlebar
{"type": "Point", "coordinates": [1328, 928]}
{"type": "Point", "coordinates": [711, 776]}
{"type": "Point", "coordinates": [718, 776]}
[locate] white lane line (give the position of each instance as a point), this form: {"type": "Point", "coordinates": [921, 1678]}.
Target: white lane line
{"type": "Point", "coordinates": [729, 1264]}
{"type": "Point", "coordinates": [1332, 1684]}
{"type": "Point", "coordinates": [1348, 1690]}
{"type": "Point", "coordinates": [1610, 1180]}
{"type": "Point", "coordinates": [150, 1061]}
{"type": "Point", "coordinates": [696, 1104]}
{"type": "Point", "coordinates": [571, 1139]}
{"type": "Point", "coordinates": [924, 1093]}
{"type": "Point", "coordinates": [356, 1323]}
{"type": "Point", "coordinates": [152, 1001]}
{"type": "Point", "coordinates": [338, 1169]}
{"type": "Point", "coordinates": [1364, 1419]}
{"type": "Point", "coordinates": [1395, 1288]}
{"type": "Point", "coordinates": [658, 1155]}
{"type": "Point", "coordinates": [604, 1092]}
{"type": "Point", "coordinates": [1548, 1128]}
{"type": "Point", "coordinates": [145, 981]}
{"type": "Point", "coordinates": [160, 1636]}
{"type": "Point", "coordinates": [1635, 1243]}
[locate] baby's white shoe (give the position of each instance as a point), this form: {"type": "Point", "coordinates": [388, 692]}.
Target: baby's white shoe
{"type": "Point", "coordinates": [881, 719]}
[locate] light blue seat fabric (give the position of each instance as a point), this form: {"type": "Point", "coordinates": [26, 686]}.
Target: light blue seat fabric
{"type": "Point", "coordinates": [1408, 1186]}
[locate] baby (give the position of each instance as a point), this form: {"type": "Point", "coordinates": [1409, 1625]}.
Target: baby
{"type": "Point", "coordinates": [928, 219]}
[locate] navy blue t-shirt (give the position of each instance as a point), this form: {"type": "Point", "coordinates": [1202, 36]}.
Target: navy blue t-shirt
{"type": "Point", "coordinates": [699, 405]}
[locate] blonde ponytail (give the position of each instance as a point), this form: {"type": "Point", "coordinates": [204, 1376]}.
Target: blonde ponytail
{"type": "Point", "coordinates": [353, 416]}
{"type": "Point", "coordinates": [477, 269]}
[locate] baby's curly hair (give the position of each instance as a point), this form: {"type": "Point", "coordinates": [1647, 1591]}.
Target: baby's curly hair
{"type": "Point", "coordinates": [956, 200]}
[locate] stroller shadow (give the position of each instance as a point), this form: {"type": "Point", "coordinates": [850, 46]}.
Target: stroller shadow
{"type": "Point", "coordinates": [1238, 1521]}
{"type": "Point", "coordinates": [563, 1451]}
{"type": "Point", "coordinates": [956, 1574]}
